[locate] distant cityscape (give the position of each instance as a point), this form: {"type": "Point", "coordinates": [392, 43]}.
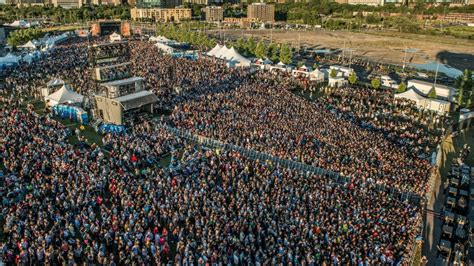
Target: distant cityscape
{"type": "Point", "coordinates": [178, 3]}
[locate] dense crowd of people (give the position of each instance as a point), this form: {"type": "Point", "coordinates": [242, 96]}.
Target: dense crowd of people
{"type": "Point", "coordinates": [261, 113]}
{"type": "Point", "coordinates": [115, 203]}
{"type": "Point", "coordinates": [65, 204]}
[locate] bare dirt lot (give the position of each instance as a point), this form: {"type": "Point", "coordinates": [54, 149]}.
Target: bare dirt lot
{"type": "Point", "coordinates": [387, 47]}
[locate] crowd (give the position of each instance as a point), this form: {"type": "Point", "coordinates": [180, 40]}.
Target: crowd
{"type": "Point", "coordinates": [262, 114]}
{"type": "Point", "coordinates": [63, 205]}
{"type": "Point", "coordinates": [115, 203]}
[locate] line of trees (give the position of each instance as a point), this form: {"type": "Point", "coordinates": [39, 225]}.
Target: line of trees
{"type": "Point", "coordinates": [180, 33]}
{"type": "Point", "coordinates": [273, 51]}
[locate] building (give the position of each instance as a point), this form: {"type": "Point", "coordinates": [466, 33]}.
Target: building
{"type": "Point", "coordinates": [158, 3]}
{"type": "Point", "coordinates": [261, 12]}
{"type": "Point", "coordinates": [161, 14]}
{"type": "Point", "coordinates": [67, 3]}
{"type": "Point", "coordinates": [241, 22]}
{"type": "Point", "coordinates": [212, 13]}
{"type": "Point", "coordinates": [197, 2]}
{"type": "Point", "coordinates": [366, 2]}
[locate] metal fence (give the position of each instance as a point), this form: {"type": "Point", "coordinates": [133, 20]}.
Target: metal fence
{"type": "Point", "coordinates": [290, 164]}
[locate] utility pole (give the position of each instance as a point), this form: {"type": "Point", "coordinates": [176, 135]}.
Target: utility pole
{"type": "Point", "coordinates": [436, 75]}
{"type": "Point", "coordinates": [404, 59]}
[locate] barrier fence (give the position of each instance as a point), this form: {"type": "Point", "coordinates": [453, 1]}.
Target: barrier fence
{"type": "Point", "coordinates": [437, 163]}
{"type": "Point", "coordinates": [290, 164]}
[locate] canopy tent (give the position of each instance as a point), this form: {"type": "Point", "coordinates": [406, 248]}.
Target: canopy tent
{"type": "Point", "coordinates": [414, 95]}
{"type": "Point", "coordinates": [64, 95]}
{"type": "Point", "coordinates": [317, 75]}
{"type": "Point", "coordinates": [55, 82]}
{"type": "Point", "coordinates": [161, 39]}
{"type": "Point", "coordinates": [281, 64]}
{"type": "Point", "coordinates": [264, 61]}
{"type": "Point", "coordinates": [165, 48]}
{"type": "Point", "coordinates": [214, 50]}
{"type": "Point", "coordinates": [20, 23]}
{"type": "Point", "coordinates": [29, 45]}
{"type": "Point", "coordinates": [28, 58]}
{"type": "Point", "coordinates": [115, 37]}
{"type": "Point", "coordinates": [9, 60]}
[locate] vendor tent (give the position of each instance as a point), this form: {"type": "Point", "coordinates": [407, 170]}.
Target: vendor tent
{"type": "Point", "coordinates": [165, 48]}
{"type": "Point", "coordinates": [29, 45]}
{"type": "Point", "coordinates": [214, 50]}
{"type": "Point", "coordinates": [414, 95]}
{"type": "Point", "coordinates": [55, 82]}
{"type": "Point", "coordinates": [64, 95]}
{"type": "Point", "coordinates": [232, 55]}
{"type": "Point", "coordinates": [28, 58]}
{"type": "Point", "coordinates": [9, 60]}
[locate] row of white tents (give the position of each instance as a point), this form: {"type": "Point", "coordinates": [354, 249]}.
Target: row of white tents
{"type": "Point", "coordinates": [230, 54]}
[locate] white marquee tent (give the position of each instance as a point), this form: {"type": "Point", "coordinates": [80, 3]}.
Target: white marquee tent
{"type": "Point", "coordinates": [214, 50]}
{"type": "Point", "coordinates": [63, 95]}
{"type": "Point", "coordinates": [165, 48]}
{"type": "Point", "coordinates": [230, 55]}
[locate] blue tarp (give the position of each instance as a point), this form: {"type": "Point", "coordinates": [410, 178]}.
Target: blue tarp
{"type": "Point", "coordinates": [110, 128]}
{"type": "Point", "coordinates": [74, 113]}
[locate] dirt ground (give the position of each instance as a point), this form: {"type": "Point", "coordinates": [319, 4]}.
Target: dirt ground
{"type": "Point", "coordinates": [386, 47]}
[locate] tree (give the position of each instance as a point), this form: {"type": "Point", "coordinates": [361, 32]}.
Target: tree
{"type": "Point", "coordinates": [251, 46]}
{"type": "Point", "coordinates": [333, 73]}
{"type": "Point", "coordinates": [352, 78]}
{"type": "Point", "coordinates": [260, 50]}
{"type": "Point", "coordinates": [375, 83]}
{"type": "Point", "coordinates": [273, 52]}
{"type": "Point", "coordinates": [402, 87]}
{"type": "Point", "coordinates": [285, 54]}
{"type": "Point", "coordinates": [22, 36]}
{"type": "Point", "coordinates": [432, 93]}
{"type": "Point", "coordinates": [465, 90]}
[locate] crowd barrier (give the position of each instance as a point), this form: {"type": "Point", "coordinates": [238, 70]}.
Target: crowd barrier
{"type": "Point", "coordinates": [290, 164]}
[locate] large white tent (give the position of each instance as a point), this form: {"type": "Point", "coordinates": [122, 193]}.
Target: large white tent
{"type": "Point", "coordinates": [161, 39]}
{"type": "Point", "coordinates": [422, 102]}
{"type": "Point", "coordinates": [214, 50]}
{"type": "Point", "coordinates": [411, 94]}
{"type": "Point", "coordinates": [230, 55]}
{"type": "Point", "coordinates": [165, 48]}
{"type": "Point", "coordinates": [64, 95]}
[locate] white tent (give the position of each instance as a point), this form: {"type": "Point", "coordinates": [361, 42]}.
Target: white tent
{"type": "Point", "coordinates": [411, 94]}
{"type": "Point", "coordinates": [165, 48]}
{"type": "Point", "coordinates": [161, 39]}
{"type": "Point", "coordinates": [63, 95]}
{"type": "Point", "coordinates": [20, 23]}
{"type": "Point", "coordinates": [214, 50]}
{"type": "Point", "coordinates": [232, 55]}
{"type": "Point", "coordinates": [28, 45]}
{"type": "Point", "coordinates": [221, 53]}
{"type": "Point", "coordinates": [317, 75]}
{"type": "Point", "coordinates": [281, 64]}
{"type": "Point", "coordinates": [55, 82]}
{"type": "Point", "coordinates": [115, 37]}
